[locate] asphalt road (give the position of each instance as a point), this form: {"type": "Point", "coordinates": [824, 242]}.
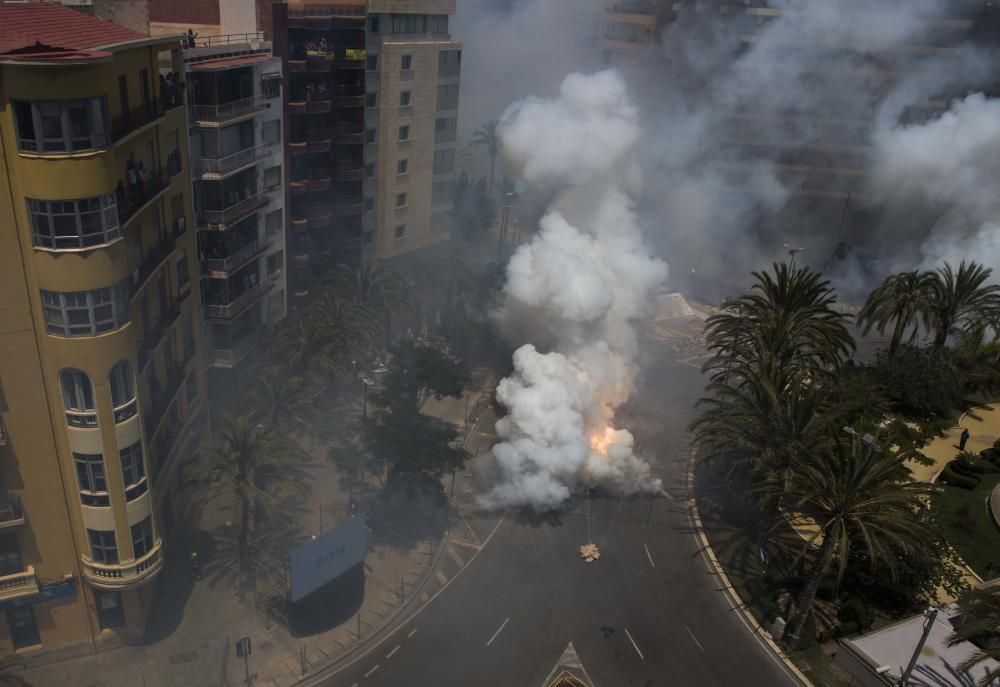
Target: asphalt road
{"type": "Point", "coordinates": [647, 613]}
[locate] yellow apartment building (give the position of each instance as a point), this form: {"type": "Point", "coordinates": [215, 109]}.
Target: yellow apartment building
{"type": "Point", "coordinates": [101, 372]}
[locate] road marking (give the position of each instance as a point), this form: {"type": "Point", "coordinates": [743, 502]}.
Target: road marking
{"type": "Point", "coordinates": [499, 630]}
{"type": "Point", "coordinates": [369, 673]}
{"type": "Point", "coordinates": [634, 645]}
{"type": "Point", "coordinates": [394, 650]}
{"type": "Point", "coordinates": [648, 555]}
{"type": "Point", "coordinates": [694, 638]}
{"type": "Point", "coordinates": [412, 632]}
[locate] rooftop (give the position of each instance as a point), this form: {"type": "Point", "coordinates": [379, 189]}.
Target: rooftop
{"type": "Point", "coordinates": [230, 62]}
{"type": "Point", "coordinates": [48, 31]}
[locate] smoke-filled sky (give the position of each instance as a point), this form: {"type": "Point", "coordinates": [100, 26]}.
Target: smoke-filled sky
{"type": "Point", "coordinates": [844, 75]}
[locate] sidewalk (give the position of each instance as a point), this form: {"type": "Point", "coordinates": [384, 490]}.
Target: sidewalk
{"type": "Point", "coordinates": [983, 424]}
{"type": "Point", "coordinates": [194, 624]}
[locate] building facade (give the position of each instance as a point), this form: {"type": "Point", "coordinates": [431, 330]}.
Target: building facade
{"type": "Point", "coordinates": [236, 117]}
{"type": "Point", "coordinates": [628, 26]}
{"type": "Point", "coordinates": [102, 376]}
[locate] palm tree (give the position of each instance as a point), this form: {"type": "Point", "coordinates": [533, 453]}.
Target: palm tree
{"type": "Point", "coordinates": [976, 358]}
{"type": "Point", "coordinates": [308, 349]}
{"type": "Point", "coordinates": [900, 299]}
{"type": "Point", "coordinates": [982, 626]}
{"type": "Point", "coordinates": [785, 327]}
{"type": "Point", "coordinates": [280, 400]}
{"type": "Point", "coordinates": [377, 287]}
{"type": "Point", "coordinates": [253, 461]}
{"type": "Point", "coordinates": [352, 326]}
{"type": "Point", "coordinates": [959, 299]}
{"type": "Point", "coordinates": [861, 500]}
{"type": "Point", "coordinates": [487, 136]}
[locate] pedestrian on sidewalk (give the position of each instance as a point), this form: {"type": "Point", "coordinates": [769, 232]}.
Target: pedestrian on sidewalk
{"type": "Point", "coordinates": [964, 437]}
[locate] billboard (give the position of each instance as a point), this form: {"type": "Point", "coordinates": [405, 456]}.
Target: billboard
{"type": "Point", "coordinates": [327, 556]}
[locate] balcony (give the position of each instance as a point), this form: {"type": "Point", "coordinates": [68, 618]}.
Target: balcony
{"type": "Point", "coordinates": [136, 118]}
{"type": "Point", "coordinates": [348, 96]}
{"type": "Point", "coordinates": [350, 58]}
{"type": "Point", "coordinates": [11, 511]}
{"type": "Point", "coordinates": [297, 187]}
{"type": "Point", "coordinates": [318, 141]}
{"type": "Point", "coordinates": [320, 184]}
{"type": "Point", "coordinates": [349, 170]}
{"type": "Point", "coordinates": [317, 63]}
{"type": "Point", "coordinates": [319, 221]}
{"type": "Point", "coordinates": [300, 258]}
{"type": "Point", "coordinates": [300, 224]}
{"type": "Point", "coordinates": [150, 264]}
{"type": "Point", "coordinates": [228, 311]}
{"type": "Point", "coordinates": [163, 398]}
{"type": "Point", "coordinates": [154, 337]}
{"type": "Point", "coordinates": [319, 106]}
{"type": "Point", "coordinates": [124, 575]}
{"type": "Point", "coordinates": [216, 115]}
{"type": "Point", "coordinates": [138, 198]}
{"type": "Point", "coordinates": [219, 219]}
{"type": "Point", "coordinates": [220, 168]}
{"type": "Point", "coordinates": [231, 357]}
{"type": "Point", "coordinates": [296, 65]}
{"type": "Point", "coordinates": [348, 133]}
{"type": "Point", "coordinates": [296, 106]}
{"type": "Point", "coordinates": [220, 267]}
{"type": "Point", "coordinates": [319, 253]}
{"type": "Point", "coordinates": [19, 584]}
{"type": "Point", "coordinates": [348, 206]}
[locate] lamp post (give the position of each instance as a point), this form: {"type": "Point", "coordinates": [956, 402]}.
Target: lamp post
{"type": "Point", "coordinates": [504, 218]}
{"type": "Point", "coordinates": [930, 616]}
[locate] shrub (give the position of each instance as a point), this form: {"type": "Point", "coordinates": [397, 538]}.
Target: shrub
{"type": "Point", "coordinates": [955, 479]}
{"type": "Point", "coordinates": [847, 628]}
{"type": "Point", "coordinates": [854, 609]}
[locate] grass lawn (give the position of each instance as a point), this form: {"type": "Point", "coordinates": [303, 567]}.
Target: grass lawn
{"type": "Point", "coordinates": [965, 516]}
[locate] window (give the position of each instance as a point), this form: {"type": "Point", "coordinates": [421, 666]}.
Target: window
{"type": "Point", "coordinates": [274, 262]}
{"type": "Point", "coordinates": [400, 231]}
{"type": "Point", "coordinates": [272, 222]}
{"type": "Point", "coordinates": [406, 63]}
{"type": "Point", "coordinates": [110, 612]}
{"type": "Point", "coordinates": [272, 132]}
{"type": "Point", "coordinates": [439, 23]}
{"type": "Point", "coordinates": [272, 177]}
{"type": "Point", "coordinates": [409, 23]}
{"type": "Point", "coordinates": [370, 135]}
{"type": "Point", "coordinates": [270, 85]}
{"type": "Point", "coordinates": [373, 23]}
{"type": "Point", "coordinates": [187, 335]}
{"type": "Point", "coordinates": [10, 555]}
{"type": "Point", "coordinates": [103, 548]}
{"type": "Point", "coordinates": [444, 161]}
{"type": "Point", "coordinates": [369, 237]}
{"type": "Point", "coordinates": [404, 133]}
{"type": "Point", "coordinates": [61, 126]}
{"type": "Point", "coordinates": [370, 170]}
{"type": "Point", "coordinates": [371, 62]}
{"type": "Point", "coordinates": [183, 276]}
{"type": "Point", "coordinates": [404, 98]}
{"type": "Point", "coordinates": [400, 200]}
{"type": "Point", "coordinates": [86, 313]}
{"type": "Point", "coordinates": [142, 537]}
{"type": "Point", "coordinates": [133, 471]}
{"type": "Point", "coordinates": [402, 166]}
{"type": "Point", "coordinates": [445, 129]}
{"type": "Point", "coordinates": [122, 391]}
{"type": "Point", "coordinates": [371, 100]}
{"type": "Point", "coordinates": [23, 627]}
{"type": "Point", "coordinates": [451, 58]}
{"type": "Point", "coordinates": [78, 399]}
{"type": "Point", "coordinates": [192, 388]}
{"type": "Point", "coordinates": [61, 224]}
{"type": "Point", "coordinates": [369, 204]}
{"type": "Point", "coordinates": [447, 97]}
{"type": "Point", "coordinates": [91, 480]}
{"type": "Point", "coordinates": [177, 211]}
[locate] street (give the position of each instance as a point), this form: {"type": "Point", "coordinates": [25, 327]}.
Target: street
{"type": "Point", "coordinates": [649, 612]}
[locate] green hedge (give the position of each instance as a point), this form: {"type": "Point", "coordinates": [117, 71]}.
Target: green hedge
{"type": "Point", "coordinates": [955, 479]}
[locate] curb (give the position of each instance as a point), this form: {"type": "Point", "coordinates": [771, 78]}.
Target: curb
{"type": "Point", "coordinates": [735, 601]}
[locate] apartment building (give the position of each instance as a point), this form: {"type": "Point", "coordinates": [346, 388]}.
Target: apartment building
{"type": "Point", "coordinates": [102, 375]}
{"type": "Point", "coordinates": [411, 125]}
{"type": "Point", "coordinates": [628, 26]}
{"type": "Point", "coordinates": [234, 90]}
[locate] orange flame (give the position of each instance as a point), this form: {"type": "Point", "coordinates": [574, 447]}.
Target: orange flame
{"type": "Point", "coordinates": [599, 441]}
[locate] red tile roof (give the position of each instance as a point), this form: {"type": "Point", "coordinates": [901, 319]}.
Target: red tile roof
{"type": "Point", "coordinates": [48, 30]}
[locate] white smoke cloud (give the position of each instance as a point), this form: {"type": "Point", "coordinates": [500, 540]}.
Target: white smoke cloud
{"type": "Point", "coordinates": [578, 286]}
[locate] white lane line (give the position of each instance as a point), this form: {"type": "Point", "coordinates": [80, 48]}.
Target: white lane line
{"type": "Point", "coordinates": [394, 650]}
{"type": "Point", "coordinates": [648, 555]}
{"type": "Point", "coordinates": [634, 645]}
{"type": "Point", "coordinates": [412, 632]}
{"type": "Point", "coordinates": [694, 638]}
{"type": "Point", "coordinates": [369, 673]}
{"type": "Point", "coordinates": [499, 630]}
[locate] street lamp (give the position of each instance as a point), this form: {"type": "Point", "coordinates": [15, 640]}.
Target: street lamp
{"type": "Point", "coordinates": [930, 616]}
{"type": "Point", "coordinates": [504, 217]}
{"type": "Point", "coordinates": [367, 382]}
{"type": "Point", "coordinates": [866, 439]}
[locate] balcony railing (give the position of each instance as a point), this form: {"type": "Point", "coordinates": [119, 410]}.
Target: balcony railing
{"type": "Point", "coordinates": [227, 311]}
{"type": "Point", "coordinates": [120, 575]}
{"type": "Point", "coordinates": [230, 357]}
{"type": "Point", "coordinates": [220, 167]}
{"type": "Point", "coordinates": [234, 211]}
{"type": "Point", "coordinates": [227, 39]}
{"type": "Point", "coordinates": [151, 263]}
{"type": "Point", "coordinates": [218, 114]}
{"type": "Point", "coordinates": [136, 118]}
{"type": "Point", "coordinates": [154, 337]}
{"type": "Point", "coordinates": [131, 201]}
{"type": "Point", "coordinates": [164, 397]}
{"type": "Point", "coordinates": [239, 258]}
{"type": "Point", "coordinates": [18, 584]}
{"type": "Point", "coordinates": [11, 511]}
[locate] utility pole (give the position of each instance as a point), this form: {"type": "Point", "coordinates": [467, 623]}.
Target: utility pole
{"type": "Point", "coordinates": [930, 615]}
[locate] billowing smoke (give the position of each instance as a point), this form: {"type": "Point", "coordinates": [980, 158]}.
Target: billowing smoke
{"type": "Point", "coordinates": [574, 294]}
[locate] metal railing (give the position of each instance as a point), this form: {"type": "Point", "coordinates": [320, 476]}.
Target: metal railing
{"type": "Point", "coordinates": [355, 11]}
{"type": "Point", "coordinates": [230, 110]}
{"type": "Point", "coordinates": [228, 311]}
{"type": "Point", "coordinates": [122, 574]}
{"type": "Point", "coordinates": [229, 39]}
{"type": "Point", "coordinates": [224, 165]}
{"type": "Point", "coordinates": [151, 263]}
{"type": "Point", "coordinates": [241, 257]}
{"type": "Point", "coordinates": [137, 117]}
{"type": "Point", "coordinates": [11, 511]}
{"type": "Point", "coordinates": [234, 211]}
{"type": "Point", "coordinates": [231, 356]}
{"type": "Point", "coordinates": [136, 198]}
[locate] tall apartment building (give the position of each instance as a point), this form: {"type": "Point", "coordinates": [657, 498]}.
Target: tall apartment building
{"type": "Point", "coordinates": [628, 26]}
{"type": "Point", "coordinates": [414, 69]}
{"type": "Point", "coordinates": [234, 91]}
{"type": "Point", "coordinates": [102, 376]}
